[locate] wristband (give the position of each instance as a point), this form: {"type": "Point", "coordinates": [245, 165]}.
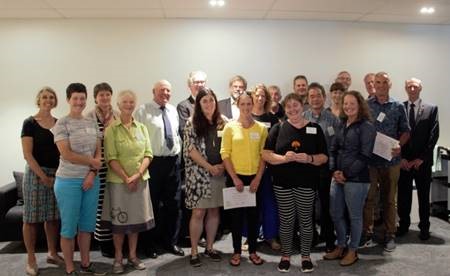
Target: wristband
{"type": "Point", "coordinates": [93, 170]}
{"type": "Point", "coordinates": [312, 159]}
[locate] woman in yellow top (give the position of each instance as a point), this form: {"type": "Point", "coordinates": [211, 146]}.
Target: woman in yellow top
{"type": "Point", "coordinates": [127, 207]}
{"type": "Point", "coordinates": [242, 143]}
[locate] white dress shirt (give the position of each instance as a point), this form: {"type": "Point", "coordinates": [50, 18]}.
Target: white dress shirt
{"type": "Point", "coordinates": [150, 115]}
{"type": "Point", "coordinates": [234, 109]}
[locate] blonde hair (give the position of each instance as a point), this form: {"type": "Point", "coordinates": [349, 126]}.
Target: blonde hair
{"type": "Point", "coordinates": [49, 90]}
{"type": "Point", "coordinates": [124, 93]}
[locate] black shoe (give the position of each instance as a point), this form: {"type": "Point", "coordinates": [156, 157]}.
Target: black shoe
{"type": "Point", "coordinates": [401, 231]}
{"type": "Point", "coordinates": [107, 249]}
{"type": "Point", "coordinates": [176, 250]}
{"type": "Point", "coordinates": [195, 261]}
{"type": "Point", "coordinates": [150, 252]}
{"type": "Point", "coordinates": [213, 254]}
{"type": "Point", "coordinates": [284, 266]}
{"type": "Point", "coordinates": [307, 266]}
{"type": "Point", "coordinates": [424, 235]}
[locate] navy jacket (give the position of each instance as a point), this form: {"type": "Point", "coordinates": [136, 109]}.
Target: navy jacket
{"type": "Point", "coordinates": [352, 149]}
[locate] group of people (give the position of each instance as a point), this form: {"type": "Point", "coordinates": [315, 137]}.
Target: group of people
{"type": "Point", "coordinates": [132, 170]}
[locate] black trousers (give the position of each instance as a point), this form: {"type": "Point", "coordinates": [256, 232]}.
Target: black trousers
{"type": "Point", "coordinates": [240, 216]}
{"type": "Point", "coordinates": [165, 192]}
{"type": "Point", "coordinates": [422, 178]}
{"type": "Point", "coordinates": [326, 223]}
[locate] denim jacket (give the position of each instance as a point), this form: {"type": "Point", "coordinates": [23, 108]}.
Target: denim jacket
{"type": "Point", "coordinates": [352, 149]}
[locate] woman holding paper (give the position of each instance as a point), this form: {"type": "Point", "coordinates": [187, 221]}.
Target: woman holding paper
{"type": "Point", "coordinates": [242, 143]}
{"type": "Point", "coordinates": [204, 172]}
{"type": "Point", "coordinates": [296, 148]}
{"type": "Point", "coordinates": [349, 156]}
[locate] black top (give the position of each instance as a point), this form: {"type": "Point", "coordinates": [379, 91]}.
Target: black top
{"type": "Point", "coordinates": [280, 113]}
{"type": "Point", "coordinates": [267, 118]}
{"type": "Point", "coordinates": [309, 139]}
{"type": "Point", "coordinates": [212, 143]}
{"type": "Point", "coordinates": [44, 149]}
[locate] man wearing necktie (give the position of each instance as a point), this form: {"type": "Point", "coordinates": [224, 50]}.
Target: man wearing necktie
{"type": "Point", "coordinates": [161, 120]}
{"type": "Point", "coordinates": [417, 159]}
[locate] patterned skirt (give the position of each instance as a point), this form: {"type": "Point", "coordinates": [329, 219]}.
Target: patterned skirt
{"type": "Point", "coordinates": [39, 203]}
{"type": "Point", "coordinates": [127, 212]}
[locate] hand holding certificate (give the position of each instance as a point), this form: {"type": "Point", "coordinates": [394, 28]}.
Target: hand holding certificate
{"type": "Point", "coordinates": [384, 146]}
{"type": "Point", "coordinates": [234, 199]}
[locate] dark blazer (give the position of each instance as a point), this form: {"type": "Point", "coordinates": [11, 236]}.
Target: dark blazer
{"type": "Point", "coordinates": [424, 134]}
{"type": "Point", "coordinates": [185, 110]}
{"type": "Point", "coordinates": [225, 108]}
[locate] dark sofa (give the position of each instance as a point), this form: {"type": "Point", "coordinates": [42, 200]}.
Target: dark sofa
{"type": "Point", "coordinates": [11, 211]}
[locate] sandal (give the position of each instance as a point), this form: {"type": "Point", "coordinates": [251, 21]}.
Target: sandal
{"type": "Point", "coordinates": [235, 259]}
{"type": "Point", "coordinates": [56, 260]}
{"type": "Point", "coordinates": [255, 259]}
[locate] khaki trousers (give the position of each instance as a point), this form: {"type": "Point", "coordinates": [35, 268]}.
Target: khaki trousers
{"type": "Point", "coordinates": [386, 180]}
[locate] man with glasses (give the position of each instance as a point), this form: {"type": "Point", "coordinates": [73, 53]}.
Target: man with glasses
{"type": "Point", "coordinates": [345, 79]}
{"type": "Point", "coordinates": [185, 109]}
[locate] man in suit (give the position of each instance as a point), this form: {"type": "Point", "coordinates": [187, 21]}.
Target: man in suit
{"type": "Point", "coordinates": [228, 107]}
{"type": "Point", "coordinates": [417, 159]}
{"type": "Point", "coordinates": [161, 120]}
{"type": "Point", "coordinates": [196, 80]}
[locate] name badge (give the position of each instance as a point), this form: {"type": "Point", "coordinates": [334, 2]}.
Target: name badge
{"type": "Point", "coordinates": [267, 124]}
{"type": "Point", "coordinates": [381, 117]}
{"type": "Point", "coordinates": [219, 133]}
{"type": "Point", "coordinates": [90, 131]}
{"type": "Point", "coordinates": [254, 136]}
{"type": "Point", "coordinates": [311, 130]}
{"type": "Point", "coordinates": [330, 130]}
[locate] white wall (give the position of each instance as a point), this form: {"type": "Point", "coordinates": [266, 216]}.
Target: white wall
{"type": "Point", "coordinates": [136, 53]}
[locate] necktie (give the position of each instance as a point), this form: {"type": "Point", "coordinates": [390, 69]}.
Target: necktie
{"type": "Point", "coordinates": [412, 116]}
{"type": "Point", "coordinates": [168, 135]}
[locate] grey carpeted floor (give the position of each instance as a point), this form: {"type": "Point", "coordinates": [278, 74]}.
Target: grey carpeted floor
{"type": "Point", "coordinates": [412, 257]}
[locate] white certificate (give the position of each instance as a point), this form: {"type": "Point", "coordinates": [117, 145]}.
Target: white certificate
{"type": "Point", "coordinates": [384, 145]}
{"type": "Point", "coordinates": [234, 199]}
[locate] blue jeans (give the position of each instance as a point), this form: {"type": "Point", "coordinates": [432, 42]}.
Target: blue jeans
{"type": "Point", "coordinates": [351, 195]}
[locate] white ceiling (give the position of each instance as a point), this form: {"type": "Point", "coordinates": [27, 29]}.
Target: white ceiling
{"type": "Point", "coordinates": [390, 11]}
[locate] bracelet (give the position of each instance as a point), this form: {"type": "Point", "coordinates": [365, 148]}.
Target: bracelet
{"type": "Point", "coordinates": [93, 170]}
{"type": "Point", "coordinates": [312, 159]}
{"type": "Point", "coordinates": [140, 174]}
